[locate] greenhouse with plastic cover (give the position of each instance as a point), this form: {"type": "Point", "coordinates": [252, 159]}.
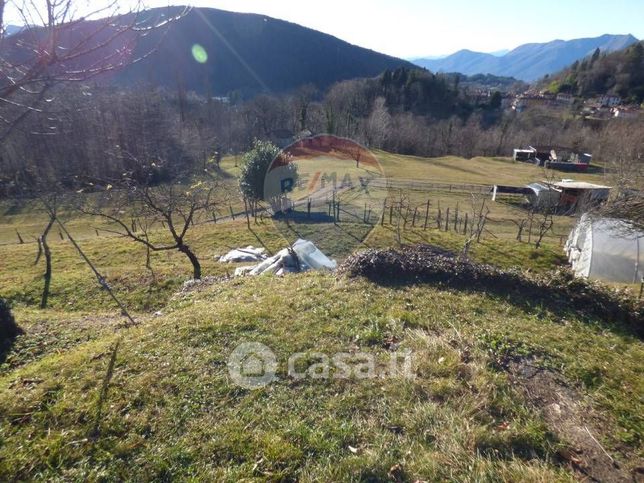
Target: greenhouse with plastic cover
{"type": "Point", "coordinates": [606, 249]}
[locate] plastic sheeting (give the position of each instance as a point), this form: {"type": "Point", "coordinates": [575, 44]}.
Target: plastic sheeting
{"type": "Point", "coordinates": [301, 256]}
{"type": "Point", "coordinates": [248, 254]}
{"type": "Point", "coordinates": [606, 249]}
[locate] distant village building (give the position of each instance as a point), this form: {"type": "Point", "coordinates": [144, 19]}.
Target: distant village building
{"type": "Point", "coordinates": [610, 100]}
{"type": "Point", "coordinates": [564, 98]}
{"type": "Point", "coordinates": [525, 101]}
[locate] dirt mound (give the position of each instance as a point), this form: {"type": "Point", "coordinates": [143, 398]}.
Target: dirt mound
{"type": "Point", "coordinates": [566, 414]}
{"type": "Point", "coordinates": [559, 290]}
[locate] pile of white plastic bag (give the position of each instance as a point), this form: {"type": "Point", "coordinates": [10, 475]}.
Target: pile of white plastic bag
{"type": "Point", "coordinates": [248, 254]}
{"type": "Point", "coordinates": [301, 256]}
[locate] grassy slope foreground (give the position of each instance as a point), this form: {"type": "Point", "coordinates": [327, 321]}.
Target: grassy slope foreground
{"type": "Point", "coordinates": [171, 409]}
{"type": "Point", "coordinates": [503, 388]}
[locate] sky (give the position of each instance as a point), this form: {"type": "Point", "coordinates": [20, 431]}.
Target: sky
{"type": "Point", "coordinates": [418, 28]}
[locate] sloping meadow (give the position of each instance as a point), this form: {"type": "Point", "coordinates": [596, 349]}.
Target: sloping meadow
{"type": "Point", "coordinates": [162, 404]}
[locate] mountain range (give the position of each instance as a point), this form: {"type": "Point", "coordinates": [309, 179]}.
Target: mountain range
{"type": "Point", "coordinates": [12, 29]}
{"type": "Point", "coordinates": [216, 52]}
{"type": "Point", "coordinates": [528, 62]}
{"type": "Point", "coordinates": [250, 53]}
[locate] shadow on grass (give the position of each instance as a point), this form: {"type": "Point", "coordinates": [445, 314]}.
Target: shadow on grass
{"type": "Point", "coordinates": [9, 330]}
{"type": "Point", "coordinates": [261, 242]}
{"type": "Point", "coordinates": [334, 239]}
{"type": "Point", "coordinates": [558, 292]}
{"type": "Point", "coordinates": [294, 216]}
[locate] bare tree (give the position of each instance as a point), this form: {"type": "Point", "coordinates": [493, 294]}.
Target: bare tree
{"type": "Point", "coordinates": [545, 222]}
{"type": "Point", "coordinates": [480, 213]}
{"type": "Point", "coordinates": [158, 217]}
{"type": "Point", "coordinates": [378, 124]}
{"type": "Point", "coordinates": [57, 45]}
{"type": "Point", "coordinates": [622, 148]}
{"type": "Point", "coordinates": [403, 209]}
{"type": "Point", "coordinates": [301, 102]}
{"type": "Point", "coordinates": [51, 205]}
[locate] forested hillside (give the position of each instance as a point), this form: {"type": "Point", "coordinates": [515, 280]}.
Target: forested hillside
{"type": "Point", "coordinates": [215, 52]}
{"type": "Point", "coordinates": [620, 73]}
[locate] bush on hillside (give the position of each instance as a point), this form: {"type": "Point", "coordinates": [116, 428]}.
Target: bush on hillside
{"type": "Point", "coordinates": [8, 328]}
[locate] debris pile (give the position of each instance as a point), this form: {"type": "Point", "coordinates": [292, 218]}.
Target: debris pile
{"type": "Point", "coordinates": [560, 290]}
{"type": "Point", "coordinates": [301, 256]}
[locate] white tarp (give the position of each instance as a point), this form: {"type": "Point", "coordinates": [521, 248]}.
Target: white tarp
{"type": "Point", "coordinates": [606, 249]}
{"type": "Point", "coordinates": [301, 256]}
{"type": "Point", "coordinates": [248, 254]}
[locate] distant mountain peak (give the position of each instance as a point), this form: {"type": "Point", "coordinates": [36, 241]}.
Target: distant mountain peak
{"type": "Point", "coordinates": [530, 61]}
{"type": "Point", "coordinates": [12, 29]}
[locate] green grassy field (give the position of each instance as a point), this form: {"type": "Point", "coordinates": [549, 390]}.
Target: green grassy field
{"type": "Point", "coordinates": [163, 405]}
{"type": "Point", "coordinates": [172, 411]}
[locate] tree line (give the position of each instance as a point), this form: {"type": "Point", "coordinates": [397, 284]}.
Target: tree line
{"type": "Point", "coordinates": [92, 134]}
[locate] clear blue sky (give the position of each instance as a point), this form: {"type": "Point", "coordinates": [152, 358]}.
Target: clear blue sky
{"type": "Point", "coordinates": [415, 28]}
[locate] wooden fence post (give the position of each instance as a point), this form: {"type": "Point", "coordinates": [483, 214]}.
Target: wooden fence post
{"type": "Point", "coordinates": [447, 219]}
{"type": "Point", "coordinates": [426, 215]}
{"type": "Point", "coordinates": [456, 218]}
{"type": "Point", "coordinates": [246, 213]}
{"type": "Point", "coordinates": [334, 206]}
{"type": "Point", "coordinates": [478, 235]}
